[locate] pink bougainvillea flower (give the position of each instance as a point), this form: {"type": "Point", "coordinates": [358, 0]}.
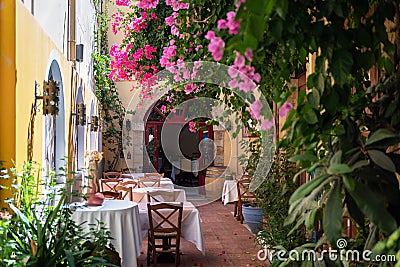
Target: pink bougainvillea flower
{"type": "Point", "coordinates": [147, 4]}
{"type": "Point", "coordinates": [249, 54]}
{"type": "Point", "coordinates": [255, 109]}
{"type": "Point", "coordinates": [190, 87]}
{"type": "Point", "coordinates": [233, 72]}
{"type": "Point", "coordinates": [177, 4]}
{"type": "Point", "coordinates": [267, 124]}
{"type": "Point", "coordinates": [122, 2]}
{"type": "Point", "coordinates": [192, 127]}
{"type": "Point", "coordinates": [257, 77]}
{"type": "Point", "coordinates": [174, 30]}
{"type": "Point", "coordinates": [210, 35]}
{"type": "Point", "coordinates": [222, 24]}
{"type": "Point", "coordinates": [246, 85]}
{"type": "Point", "coordinates": [239, 61]}
{"type": "Point", "coordinates": [285, 109]}
{"type": "Point", "coordinates": [233, 83]}
{"type": "Point", "coordinates": [230, 23]}
{"type": "Point", "coordinates": [215, 46]}
{"type": "Point", "coordinates": [163, 108]}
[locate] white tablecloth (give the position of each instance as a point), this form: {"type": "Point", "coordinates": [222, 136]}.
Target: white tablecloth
{"type": "Point", "coordinates": [191, 225]}
{"type": "Point", "coordinates": [169, 195]}
{"type": "Point", "coordinates": [229, 192]}
{"type": "Point", "coordinates": [122, 218]}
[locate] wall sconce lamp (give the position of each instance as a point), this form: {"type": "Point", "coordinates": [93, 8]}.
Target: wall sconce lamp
{"type": "Point", "coordinates": [79, 52]}
{"type": "Point", "coordinates": [80, 114]}
{"type": "Point", "coordinates": [94, 123]}
{"type": "Point", "coordinates": [49, 97]}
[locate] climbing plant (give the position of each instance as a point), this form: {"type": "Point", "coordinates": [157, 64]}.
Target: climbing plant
{"type": "Point", "coordinates": [112, 110]}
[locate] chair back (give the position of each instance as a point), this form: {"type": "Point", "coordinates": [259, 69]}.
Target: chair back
{"type": "Point", "coordinates": [160, 196]}
{"type": "Point", "coordinates": [114, 175]}
{"type": "Point", "coordinates": [128, 170]}
{"type": "Point", "coordinates": [244, 195]}
{"type": "Point", "coordinates": [126, 192]}
{"type": "Point", "coordinates": [109, 184]}
{"type": "Point", "coordinates": [165, 218]}
{"type": "Point", "coordinates": [112, 195]}
{"type": "Point", "coordinates": [149, 182]}
{"type": "Point", "coordinates": [131, 184]}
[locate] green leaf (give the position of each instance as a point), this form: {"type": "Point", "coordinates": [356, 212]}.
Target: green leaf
{"type": "Point", "coordinates": [70, 258]}
{"type": "Point", "coordinates": [310, 219]}
{"type": "Point", "coordinates": [310, 117]}
{"type": "Point", "coordinates": [332, 217]}
{"type": "Point", "coordinates": [342, 62]}
{"type": "Point", "coordinates": [337, 157]}
{"type": "Point", "coordinates": [319, 83]}
{"type": "Point", "coordinates": [379, 135]}
{"type": "Point", "coordinates": [354, 211]}
{"type": "Point", "coordinates": [360, 164]}
{"type": "Point", "coordinates": [372, 204]}
{"type": "Point", "coordinates": [341, 168]}
{"type": "Point", "coordinates": [314, 98]}
{"type": "Point", "coordinates": [282, 8]}
{"type": "Point", "coordinates": [307, 156]}
{"type": "Point", "coordinates": [307, 188]}
{"type": "Point", "coordinates": [382, 160]}
{"type": "Point", "coordinates": [349, 182]}
{"type": "Point", "coordinates": [269, 5]}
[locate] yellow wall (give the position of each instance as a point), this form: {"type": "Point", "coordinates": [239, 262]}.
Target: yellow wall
{"type": "Point", "coordinates": [7, 90]}
{"type": "Point", "coordinates": [34, 48]}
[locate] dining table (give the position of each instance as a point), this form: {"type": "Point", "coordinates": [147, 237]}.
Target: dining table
{"type": "Point", "coordinates": [191, 229]}
{"type": "Point", "coordinates": [122, 218]}
{"type": "Point", "coordinates": [229, 192]}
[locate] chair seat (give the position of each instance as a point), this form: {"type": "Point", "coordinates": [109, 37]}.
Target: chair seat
{"type": "Point", "coordinates": [160, 234]}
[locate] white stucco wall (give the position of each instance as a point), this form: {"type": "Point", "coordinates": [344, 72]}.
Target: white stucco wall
{"type": "Point", "coordinates": [52, 16]}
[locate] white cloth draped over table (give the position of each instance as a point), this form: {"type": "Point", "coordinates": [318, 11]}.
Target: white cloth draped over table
{"type": "Point", "coordinates": [229, 192]}
{"type": "Point", "coordinates": [191, 224]}
{"type": "Point", "coordinates": [169, 195]}
{"type": "Point", "coordinates": [122, 218]}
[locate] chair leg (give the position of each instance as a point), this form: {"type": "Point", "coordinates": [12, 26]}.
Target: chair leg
{"type": "Point", "coordinates": [235, 209]}
{"type": "Point", "coordinates": [148, 251]}
{"type": "Point", "coordinates": [177, 256]}
{"type": "Point", "coordinates": [240, 213]}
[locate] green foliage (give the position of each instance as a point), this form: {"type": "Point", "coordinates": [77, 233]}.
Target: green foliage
{"type": "Point", "coordinates": [274, 195]}
{"type": "Point", "coordinates": [43, 234]}
{"type": "Point", "coordinates": [112, 110]}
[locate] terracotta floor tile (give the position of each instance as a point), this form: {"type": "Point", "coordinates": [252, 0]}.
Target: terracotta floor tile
{"type": "Point", "coordinates": [227, 242]}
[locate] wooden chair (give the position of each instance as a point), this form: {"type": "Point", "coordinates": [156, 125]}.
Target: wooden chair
{"type": "Point", "coordinates": [131, 184]}
{"type": "Point", "coordinates": [165, 226]}
{"type": "Point", "coordinates": [235, 208]}
{"type": "Point", "coordinates": [128, 170]}
{"type": "Point", "coordinates": [112, 195]}
{"type": "Point", "coordinates": [160, 196]}
{"type": "Point", "coordinates": [125, 191]}
{"type": "Point", "coordinates": [244, 195]}
{"type": "Point", "coordinates": [109, 184]}
{"type": "Point", "coordinates": [113, 175]}
{"type": "Point", "coordinates": [149, 182]}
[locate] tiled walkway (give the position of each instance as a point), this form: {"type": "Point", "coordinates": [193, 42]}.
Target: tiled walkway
{"type": "Point", "coordinates": [227, 242]}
